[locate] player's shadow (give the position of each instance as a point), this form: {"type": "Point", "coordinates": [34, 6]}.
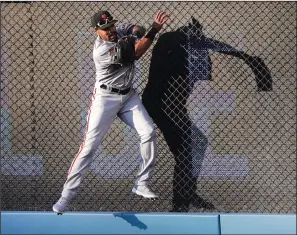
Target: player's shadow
{"type": "Point", "coordinates": [132, 220]}
{"type": "Point", "coordinates": [165, 98]}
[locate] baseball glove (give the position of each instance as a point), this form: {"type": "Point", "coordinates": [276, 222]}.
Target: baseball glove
{"type": "Point", "coordinates": [126, 48]}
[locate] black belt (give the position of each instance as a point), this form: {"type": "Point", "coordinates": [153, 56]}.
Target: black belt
{"type": "Point", "coordinates": [115, 90]}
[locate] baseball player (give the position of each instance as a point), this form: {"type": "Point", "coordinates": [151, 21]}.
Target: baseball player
{"type": "Point", "coordinates": [115, 50]}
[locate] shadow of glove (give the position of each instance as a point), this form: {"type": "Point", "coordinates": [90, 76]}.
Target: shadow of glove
{"type": "Point", "coordinates": [262, 73]}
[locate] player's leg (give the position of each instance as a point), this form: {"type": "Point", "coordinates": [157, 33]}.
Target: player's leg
{"type": "Point", "coordinates": [134, 114]}
{"type": "Point", "coordinates": [102, 112]}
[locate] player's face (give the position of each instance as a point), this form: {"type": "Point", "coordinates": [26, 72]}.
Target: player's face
{"type": "Point", "coordinates": [108, 34]}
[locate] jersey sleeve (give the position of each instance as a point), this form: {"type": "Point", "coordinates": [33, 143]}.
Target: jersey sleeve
{"type": "Point", "coordinates": [124, 29]}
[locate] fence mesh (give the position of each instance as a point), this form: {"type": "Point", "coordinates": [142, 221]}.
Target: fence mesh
{"type": "Point", "coordinates": [219, 83]}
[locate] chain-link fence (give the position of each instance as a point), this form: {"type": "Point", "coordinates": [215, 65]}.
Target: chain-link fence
{"type": "Point", "coordinates": [219, 83]}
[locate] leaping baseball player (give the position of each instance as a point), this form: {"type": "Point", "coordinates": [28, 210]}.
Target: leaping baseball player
{"type": "Point", "coordinates": [115, 50]}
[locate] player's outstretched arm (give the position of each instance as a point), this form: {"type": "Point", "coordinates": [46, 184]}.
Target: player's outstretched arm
{"type": "Point", "coordinates": [142, 45]}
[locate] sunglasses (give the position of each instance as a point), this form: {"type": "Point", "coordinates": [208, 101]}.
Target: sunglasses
{"type": "Point", "coordinates": [104, 20]}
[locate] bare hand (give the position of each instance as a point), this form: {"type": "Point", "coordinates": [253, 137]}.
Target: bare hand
{"type": "Point", "coordinates": [160, 19]}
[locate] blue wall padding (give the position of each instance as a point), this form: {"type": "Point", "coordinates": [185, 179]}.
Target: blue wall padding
{"type": "Point", "coordinates": [146, 223]}
{"type": "Point", "coordinates": [108, 223]}
{"type": "Point", "coordinates": [258, 223]}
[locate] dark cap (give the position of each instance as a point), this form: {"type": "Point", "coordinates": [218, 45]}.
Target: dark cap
{"type": "Point", "coordinates": [102, 20]}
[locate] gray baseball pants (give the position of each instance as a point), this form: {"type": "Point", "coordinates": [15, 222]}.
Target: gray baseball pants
{"type": "Point", "coordinates": [104, 108]}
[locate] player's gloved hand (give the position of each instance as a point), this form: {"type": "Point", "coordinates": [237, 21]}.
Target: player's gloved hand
{"type": "Point", "coordinates": [126, 47]}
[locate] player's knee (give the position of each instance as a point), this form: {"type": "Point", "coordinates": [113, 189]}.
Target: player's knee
{"type": "Point", "coordinates": [149, 135]}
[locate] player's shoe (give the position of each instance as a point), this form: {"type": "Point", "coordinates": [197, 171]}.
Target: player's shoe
{"type": "Point", "coordinates": [145, 191]}
{"type": "Point", "coordinates": [61, 205]}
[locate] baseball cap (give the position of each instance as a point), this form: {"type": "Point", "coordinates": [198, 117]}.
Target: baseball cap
{"type": "Point", "coordinates": [102, 20]}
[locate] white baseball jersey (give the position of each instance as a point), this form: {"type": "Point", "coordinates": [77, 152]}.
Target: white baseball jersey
{"type": "Point", "coordinates": [109, 72]}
